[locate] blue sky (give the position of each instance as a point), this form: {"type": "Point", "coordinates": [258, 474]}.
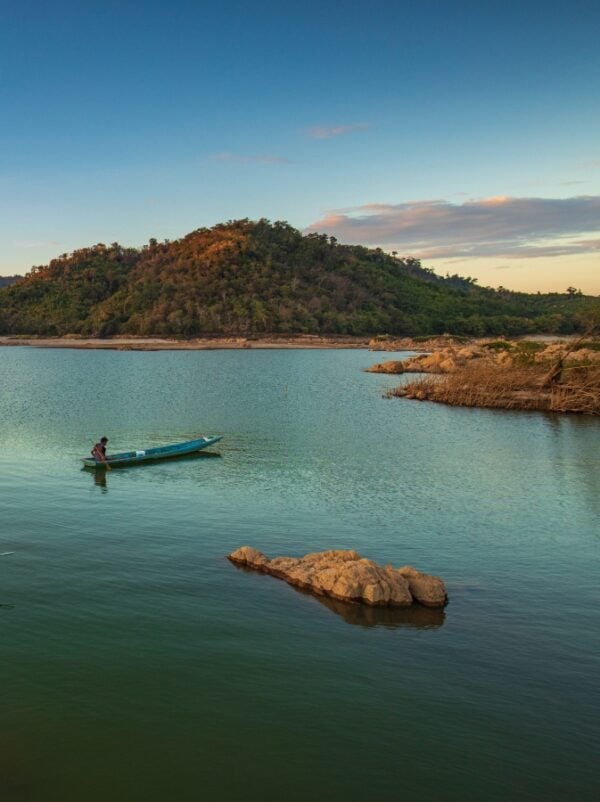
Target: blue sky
{"type": "Point", "coordinates": [387, 123]}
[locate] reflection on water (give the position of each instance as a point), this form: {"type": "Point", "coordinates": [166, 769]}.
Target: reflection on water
{"type": "Point", "coordinates": [568, 432]}
{"type": "Point", "coordinates": [416, 617]}
{"type": "Point", "coordinates": [100, 472]}
{"type": "Point", "coordinates": [363, 615]}
{"type": "Point", "coordinates": [100, 478]}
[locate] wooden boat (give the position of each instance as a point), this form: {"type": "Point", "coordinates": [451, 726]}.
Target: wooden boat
{"type": "Point", "coordinates": [150, 454]}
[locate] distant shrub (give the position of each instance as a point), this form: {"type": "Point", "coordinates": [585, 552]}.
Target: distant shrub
{"type": "Point", "coordinates": [499, 345]}
{"type": "Point", "coordinates": [530, 346]}
{"type": "Point", "coordinates": [459, 338]}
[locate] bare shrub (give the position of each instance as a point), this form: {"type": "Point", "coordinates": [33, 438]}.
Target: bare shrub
{"type": "Point", "coordinates": [578, 391]}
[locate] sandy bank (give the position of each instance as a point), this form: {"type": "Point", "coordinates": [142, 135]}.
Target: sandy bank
{"type": "Point", "coordinates": [199, 344]}
{"type": "Point", "coordinates": [132, 343]}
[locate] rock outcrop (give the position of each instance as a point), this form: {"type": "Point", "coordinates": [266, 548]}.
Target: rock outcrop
{"type": "Point", "coordinates": [446, 360]}
{"type": "Point", "coordinates": [392, 366]}
{"type": "Point", "coordinates": [347, 576]}
{"type": "Point", "coordinates": [453, 358]}
{"type": "Point", "coordinates": [425, 589]}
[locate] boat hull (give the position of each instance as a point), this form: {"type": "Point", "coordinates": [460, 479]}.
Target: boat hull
{"type": "Point", "coordinates": [152, 454]}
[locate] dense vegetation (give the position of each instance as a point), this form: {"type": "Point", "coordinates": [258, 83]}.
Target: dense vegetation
{"type": "Point", "coordinates": [244, 278]}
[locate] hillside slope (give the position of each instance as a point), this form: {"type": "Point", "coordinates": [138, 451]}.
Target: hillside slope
{"type": "Point", "coordinates": [245, 277]}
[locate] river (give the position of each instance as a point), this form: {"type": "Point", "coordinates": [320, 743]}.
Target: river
{"type": "Point", "coordinates": [139, 665]}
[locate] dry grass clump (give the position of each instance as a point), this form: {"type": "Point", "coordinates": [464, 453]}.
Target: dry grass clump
{"type": "Point", "coordinates": [578, 391]}
{"type": "Point", "coordinates": [487, 383]}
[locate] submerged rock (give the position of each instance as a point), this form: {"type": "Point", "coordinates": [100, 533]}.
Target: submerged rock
{"type": "Point", "coordinates": [346, 575]}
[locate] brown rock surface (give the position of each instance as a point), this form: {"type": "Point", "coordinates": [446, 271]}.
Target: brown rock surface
{"type": "Point", "coordinates": [346, 575]}
{"type": "Point", "coordinates": [393, 366]}
{"type": "Point", "coordinates": [444, 361]}
{"type": "Point", "coordinates": [425, 588]}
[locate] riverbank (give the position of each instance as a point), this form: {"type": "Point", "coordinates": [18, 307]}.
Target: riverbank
{"type": "Point", "coordinates": [132, 343]}
{"type": "Point", "coordinates": [559, 377]}
{"type": "Point", "coordinates": [198, 344]}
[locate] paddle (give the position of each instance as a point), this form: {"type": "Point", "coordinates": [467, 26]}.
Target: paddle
{"type": "Point", "coordinates": [102, 458]}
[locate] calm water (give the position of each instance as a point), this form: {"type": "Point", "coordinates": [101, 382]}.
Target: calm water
{"type": "Point", "coordinates": [138, 665]}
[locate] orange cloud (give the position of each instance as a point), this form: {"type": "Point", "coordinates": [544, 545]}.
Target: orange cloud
{"type": "Point", "coordinates": [497, 226]}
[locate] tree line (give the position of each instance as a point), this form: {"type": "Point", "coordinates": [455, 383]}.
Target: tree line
{"type": "Point", "coordinates": [249, 278]}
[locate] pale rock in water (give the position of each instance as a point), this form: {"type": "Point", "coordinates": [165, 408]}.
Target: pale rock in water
{"type": "Point", "coordinates": [347, 576]}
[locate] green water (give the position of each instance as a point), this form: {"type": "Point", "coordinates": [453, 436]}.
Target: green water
{"type": "Point", "coordinates": [138, 665]}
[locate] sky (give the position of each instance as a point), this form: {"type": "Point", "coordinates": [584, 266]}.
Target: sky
{"type": "Point", "coordinates": [466, 134]}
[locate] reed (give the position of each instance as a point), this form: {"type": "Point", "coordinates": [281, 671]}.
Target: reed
{"type": "Point", "coordinates": [578, 391]}
{"type": "Point", "coordinates": [485, 383]}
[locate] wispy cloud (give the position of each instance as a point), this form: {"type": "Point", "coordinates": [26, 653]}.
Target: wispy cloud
{"type": "Point", "coordinates": [261, 158]}
{"type": "Point", "coordinates": [502, 227]}
{"type": "Point", "coordinates": [592, 164]}
{"type": "Point", "coordinates": [331, 131]}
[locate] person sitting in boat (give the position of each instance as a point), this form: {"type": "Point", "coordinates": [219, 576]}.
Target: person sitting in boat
{"type": "Point", "coordinates": [99, 450]}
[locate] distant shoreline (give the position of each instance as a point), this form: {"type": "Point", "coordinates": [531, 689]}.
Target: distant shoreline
{"type": "Point", "coordinates": [198, 344]}
{"type": "Point", "coordinates": [266, 342]}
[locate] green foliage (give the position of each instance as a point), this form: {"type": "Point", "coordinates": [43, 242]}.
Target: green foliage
{"type": "Point", "coordinates": [499, 345]}
{"type": "Point", "coordinates": [530, 346]}
{"type": "Point", "coordinates": [248, 278]}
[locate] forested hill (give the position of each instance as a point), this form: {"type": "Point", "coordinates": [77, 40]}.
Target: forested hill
{"type": "Point", "coordinates": [245, 277]}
